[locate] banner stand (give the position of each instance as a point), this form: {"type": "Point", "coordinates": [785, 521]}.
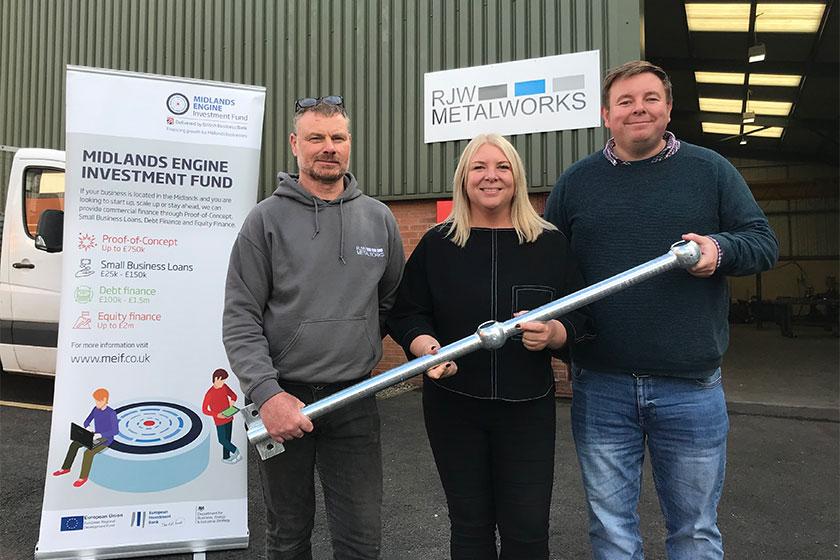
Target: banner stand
{"type": "Point", "coordinates": [147, 453]}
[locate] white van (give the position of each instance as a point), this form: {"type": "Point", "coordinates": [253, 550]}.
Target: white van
{"type": "Point", "coordinates": [30, 272]}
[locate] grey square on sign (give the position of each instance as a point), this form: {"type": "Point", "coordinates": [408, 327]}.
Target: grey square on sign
{"type": "Point", "coordinates": [566, 83]}
{"type": "Point", "coordinates": [492, 92]}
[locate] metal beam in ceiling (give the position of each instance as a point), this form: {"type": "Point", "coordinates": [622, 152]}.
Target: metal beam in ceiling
{"type": "Point", "coordinates": [766, 120]}
{"type": "Point", "coordinates": [672, 64]}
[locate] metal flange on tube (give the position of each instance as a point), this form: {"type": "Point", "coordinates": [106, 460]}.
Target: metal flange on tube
{"type": "Point", "coordinates": [490, 336]}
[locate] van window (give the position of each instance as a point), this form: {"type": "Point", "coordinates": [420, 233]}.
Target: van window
{"type": "Point", "coordinates": [43, 190]}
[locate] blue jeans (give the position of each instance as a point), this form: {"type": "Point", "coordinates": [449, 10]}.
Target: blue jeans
{"type": "Point", "coordinates": [346, 449]}
{"type": "Point", "coordinates": [684, 424]}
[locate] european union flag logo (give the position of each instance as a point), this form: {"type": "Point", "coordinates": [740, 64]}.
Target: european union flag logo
{"type": "Point", "coordinates": [74, 523]}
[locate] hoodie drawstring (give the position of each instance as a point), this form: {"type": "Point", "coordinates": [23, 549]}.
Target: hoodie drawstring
{"type": "Point", "coordinates": [317, 226]}
{"type": "Point", "coordinates": [289, 187]}
{"type": "Point", "coordinates": [341, 239]}
{"type": "Point", "coordinates": [341, 220]}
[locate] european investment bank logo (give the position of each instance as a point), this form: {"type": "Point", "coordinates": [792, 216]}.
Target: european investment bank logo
{"type": "Point", "coordinates": [138, 519]}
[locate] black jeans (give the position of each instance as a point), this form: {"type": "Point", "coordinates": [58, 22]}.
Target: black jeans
{"type": "Point", "coordinates": [345, 446]}
{"type": "Point", "coordinates": [496, 464]}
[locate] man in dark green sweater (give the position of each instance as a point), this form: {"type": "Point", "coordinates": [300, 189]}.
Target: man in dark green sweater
{"type": "Point", "coordinates": [652, 376]}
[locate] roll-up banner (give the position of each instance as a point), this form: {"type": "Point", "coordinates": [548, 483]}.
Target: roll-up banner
{"type": "Point", "coordinates": [147, 451]}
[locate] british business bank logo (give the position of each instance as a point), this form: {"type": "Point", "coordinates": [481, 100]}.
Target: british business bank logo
{"type": "Point", "coordinates": [73, 523]}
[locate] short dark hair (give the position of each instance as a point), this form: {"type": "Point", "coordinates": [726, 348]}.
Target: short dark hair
{"type": "Point", "coordinates": [220, 373]}
{"type": "Point", "coordinates": [323, 109]}
{"type": "Point", "coordinates": [634, 68]}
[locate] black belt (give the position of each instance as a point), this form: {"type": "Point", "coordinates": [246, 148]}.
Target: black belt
{"type": "Point", "coordinates": [337, 386]}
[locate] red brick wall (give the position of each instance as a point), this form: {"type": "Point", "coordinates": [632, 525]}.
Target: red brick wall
{"type": "Point", "coordinates": [414, 218]}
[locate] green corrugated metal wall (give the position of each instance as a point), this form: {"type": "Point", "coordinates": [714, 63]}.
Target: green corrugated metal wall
{"type": "Point", "coordinates": [373, 52]}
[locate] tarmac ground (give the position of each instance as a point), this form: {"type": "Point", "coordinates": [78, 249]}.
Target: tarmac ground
{"type": "Point", "coordinates": [781, 497]}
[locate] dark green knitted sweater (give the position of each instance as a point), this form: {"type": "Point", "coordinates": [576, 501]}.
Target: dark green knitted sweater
{"type": "Point", "coordinates": [617, 217]}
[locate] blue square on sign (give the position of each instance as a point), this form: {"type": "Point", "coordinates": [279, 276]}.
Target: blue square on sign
{"type": "Point", "coordinates": [74, 523]}
{"type": "Point", "coordinates": [532, 87]}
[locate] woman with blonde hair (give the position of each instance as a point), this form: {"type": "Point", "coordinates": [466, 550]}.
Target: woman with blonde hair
{"type": "Point", "coordinates": [491, 426]}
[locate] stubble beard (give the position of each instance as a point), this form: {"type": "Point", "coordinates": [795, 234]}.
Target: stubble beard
{"type": "Point", "coordinates": [326, 177]}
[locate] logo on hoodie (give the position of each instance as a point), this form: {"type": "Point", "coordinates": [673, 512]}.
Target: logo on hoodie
{"type": "Point", "coordinates": [377, 252]}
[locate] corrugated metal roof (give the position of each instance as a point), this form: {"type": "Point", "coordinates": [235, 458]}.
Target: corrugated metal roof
{"type": "Point", "coordinates": [373, 52]}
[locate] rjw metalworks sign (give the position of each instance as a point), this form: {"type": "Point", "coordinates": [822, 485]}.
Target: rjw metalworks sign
{"type": "Point", "coordinates": [559, 92]}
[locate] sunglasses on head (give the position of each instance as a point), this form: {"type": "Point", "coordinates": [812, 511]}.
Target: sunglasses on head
{"type": "Point", "coordinates": [305, 103]}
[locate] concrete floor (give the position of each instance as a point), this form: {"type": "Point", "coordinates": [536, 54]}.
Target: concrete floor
{"type": "Point", "coordinates": [762, 367]}
{"type": "Point", "coordinates": [781, 498]}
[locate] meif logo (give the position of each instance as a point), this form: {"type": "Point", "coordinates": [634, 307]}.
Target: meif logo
{"type": "Point", "coordinates": [530, 97]}
{"type": "Point", "coordinates": [558, 92]}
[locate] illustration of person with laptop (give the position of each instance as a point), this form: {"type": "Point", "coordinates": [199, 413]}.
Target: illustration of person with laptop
{"type": "Point", "coordinates": [105, 423]}
{"type": "Point", "coordinates": [218, 403]}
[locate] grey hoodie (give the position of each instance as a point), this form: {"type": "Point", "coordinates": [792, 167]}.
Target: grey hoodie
{"type": "Point", "coordinates": [309, 284]}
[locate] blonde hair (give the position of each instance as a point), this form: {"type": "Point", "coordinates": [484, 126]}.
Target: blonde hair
{"type": "Point", "coordinates": [527, 223]}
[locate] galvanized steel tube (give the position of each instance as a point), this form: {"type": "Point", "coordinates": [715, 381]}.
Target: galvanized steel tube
{"type": "Point", "coordinates": [490, 335]}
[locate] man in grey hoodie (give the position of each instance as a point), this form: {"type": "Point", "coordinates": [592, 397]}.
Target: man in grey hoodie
{"type": "Point", "coordinates": [312, 274]}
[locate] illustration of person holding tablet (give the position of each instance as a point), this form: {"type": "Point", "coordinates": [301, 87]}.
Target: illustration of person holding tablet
{"type": "Point", "coordinates": [218, 403]}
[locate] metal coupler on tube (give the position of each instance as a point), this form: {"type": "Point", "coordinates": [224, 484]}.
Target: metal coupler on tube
{"type": "Point", "coordinates": [490, 335]}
